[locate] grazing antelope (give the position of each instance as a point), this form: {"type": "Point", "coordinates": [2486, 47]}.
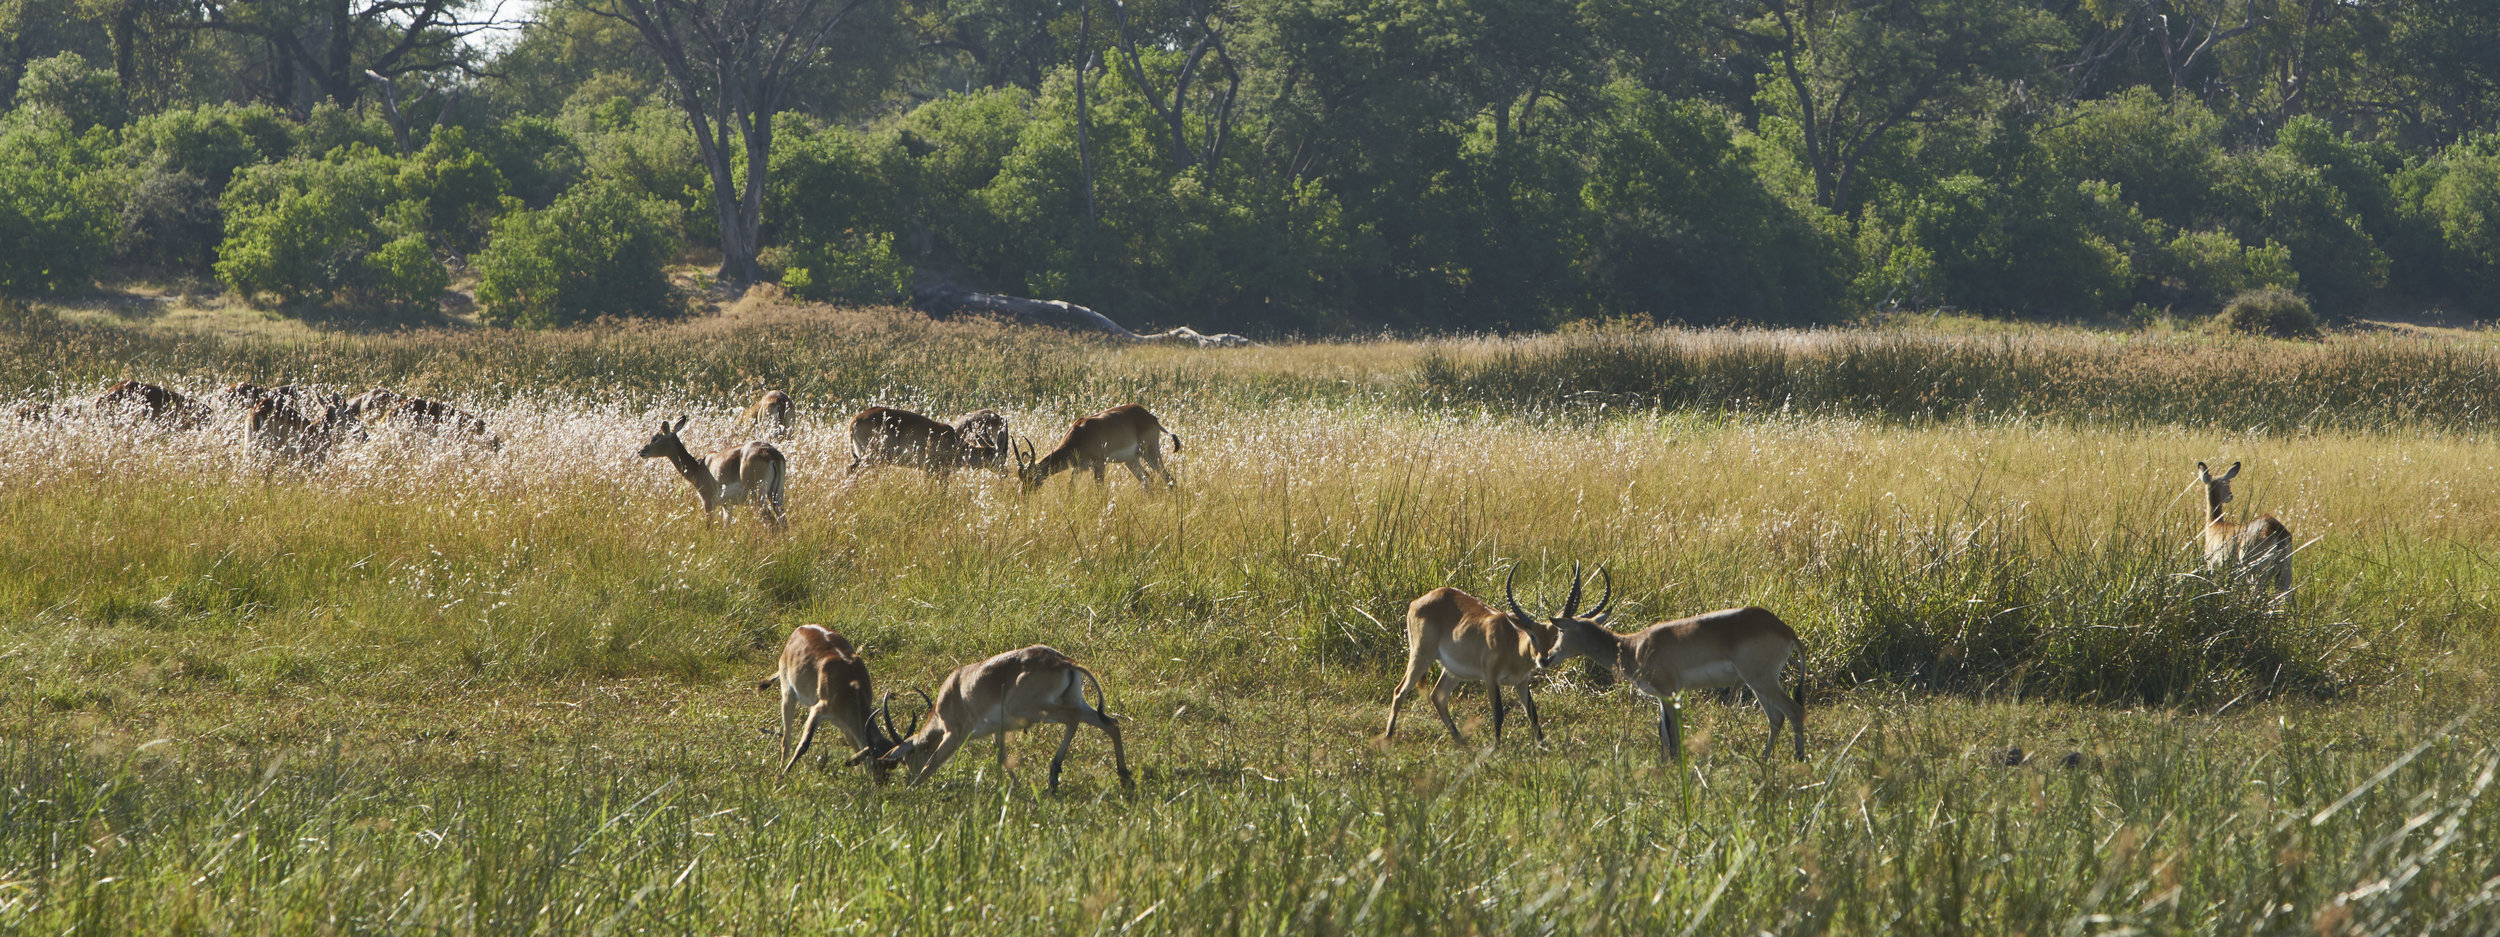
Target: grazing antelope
{"type": "Point", "coordinates": [2261, 549]}
{"type": "Point", "coordinates": [1714, 649]}
{"type": "Point", "coordinates": [821, 674]}
{"type": "Point", "coordinates": [1476, 644]}
{"type": "Point", "coordinates": [770, 415]}
{"type": "Point", "coordinates": [887, 436]}
{"type": "Point", "coordinates": [432, 417]}
{"type": "Point", "coordinates": [152, 403]}
{"type": "Point", "coordinates": [1002, 694]}
{"type": "Point", "coordinates": [373, 403]}
{"type": "Point", "coordinates": [1126, 434]}
{"type": "Point", "coordinates": [751, 472]}
{"type": "Point", "coordinates": [275, 426]}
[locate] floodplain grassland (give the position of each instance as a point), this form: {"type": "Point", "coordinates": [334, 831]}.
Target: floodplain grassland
{"type": "Point", "coordinates": [433, 688]}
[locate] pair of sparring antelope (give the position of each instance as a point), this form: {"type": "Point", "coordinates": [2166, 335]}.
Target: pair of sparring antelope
{"type": "Point", "coordinates": [1127, 434]}
{"type": "Point", "coordinates": [823, 679]}
{"type": "Point", "coordinates": [1475, 643]}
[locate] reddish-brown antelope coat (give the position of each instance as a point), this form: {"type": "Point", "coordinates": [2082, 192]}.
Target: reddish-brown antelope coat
{"type": "Point", "coordinates": [823, 679]}
{"type": "Point", "coordinates": [769, 415]}
{"type": "Point", "coordinates": [433, 417]}
{"type": "Point", "coordinates": [149, 402]}
{"type": "Point", "coordinates": [1749, 645]}
{"type": "Point", "coordinates": [2260, 549]}
{"type": "Point", "coordinates": [1126, 434]}
{"type": "Point", "coordinates": [887, 436]}
{"type": "Point", "coordinates": [279, 428]}
{"type": "Point", "coordinates": [1473, 643]}
{"type": "Point", "coordinates": [1005, 693]}
{"type": "Point", "coordinates": [751, 472]}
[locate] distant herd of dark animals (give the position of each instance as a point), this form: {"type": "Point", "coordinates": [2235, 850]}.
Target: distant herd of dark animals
{"type": "Point", "coordinates": [823, 679]}
{"type": "Point", "coordinates": [295, 423]}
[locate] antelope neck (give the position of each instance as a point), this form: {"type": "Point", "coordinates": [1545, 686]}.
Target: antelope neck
{"type": "Point", "coordinates": [692, 468]}
{"type": "Point", "coordinates": [2213, 505]}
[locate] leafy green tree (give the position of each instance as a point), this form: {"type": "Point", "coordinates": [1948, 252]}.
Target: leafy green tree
{"type": "Point", "coordinates": [66, 85]}
{"type": "Point", "coordinates": [1684, 229]}
{"type": "Point", "coordinates": [597, 251]}
{"type": "Point", "coordinates": [334, 230]}
{"type": "Point", "coordinates": [56, 204]}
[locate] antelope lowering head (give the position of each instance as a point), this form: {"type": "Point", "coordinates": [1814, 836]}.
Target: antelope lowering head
{"type": "Point", "coordinates": [1127, 434]}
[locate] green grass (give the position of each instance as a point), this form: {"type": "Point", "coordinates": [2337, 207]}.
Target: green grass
{"type": "Point", "coordinates": [426, 688]}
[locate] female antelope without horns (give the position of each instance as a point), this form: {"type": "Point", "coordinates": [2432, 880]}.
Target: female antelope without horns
{"type": "Point", "coordinates": [1474, 643]}
{"type": "Point", "coordinates": [823, 677]}
{"type": "Point", "coordinates": [768, 415]}
{"type": "Point", "coordinates": [2260, 549]}
{"type": "Point", "coordinates": [1747, 645]}
{"type": "Point", "coordinates": [1013, 690]}
{"type": "Point", "coordinates": [750, 472]}
{"type": "Point", "coordinates": [1126, 434]}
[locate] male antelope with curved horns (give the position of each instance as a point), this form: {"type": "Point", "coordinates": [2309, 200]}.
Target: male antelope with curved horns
{"type": "Point", "coordinates": [1713, 649]}
{"type": "Point", "coordinates": [1474, 643]}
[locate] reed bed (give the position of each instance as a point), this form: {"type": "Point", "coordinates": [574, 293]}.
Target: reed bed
{"type": "Point", "coordinates": [429, 686]}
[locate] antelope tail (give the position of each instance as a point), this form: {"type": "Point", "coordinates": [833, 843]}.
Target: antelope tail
{"type": "Point", "coordinates": [1100, 700]}
{"type": "Point", "coordinates": [1176, 439]}
{"type": "Point", "coordinates": [766, 685]}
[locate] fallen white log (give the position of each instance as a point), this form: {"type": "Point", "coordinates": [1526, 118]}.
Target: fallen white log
{"type": "Point", "coordinates": [946, 299]}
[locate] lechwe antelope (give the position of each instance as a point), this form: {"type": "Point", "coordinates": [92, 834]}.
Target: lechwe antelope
{"type": "Point", "coordinates": [822, 676]}
{"type": "Point", "coordinates": [434, 417]}
{"type": "Point", "coordinates": [1126, 434]}
{"type": "Point", "coordinates": [1474, 643]}
{"type": "Point", "coordinates": [1000, 695]}
{"type": "Point", "coordinates": [769, 415]}
{"type": "Point", "coordinates": [887, 436]}
{"type": "Point", "coordinates": [2260, 549]}
{"type": "Point", "coordinates": [142, 400]}
{"type": "Point", "coordinates": [750, 472]}
{"type": "Point", "coordinates": [279, 428]}
{"type": "Point", "coordinates": [1713, 649]}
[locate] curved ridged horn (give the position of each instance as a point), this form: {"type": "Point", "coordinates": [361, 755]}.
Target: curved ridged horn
{"type": "Point", "coordinates": [885, 710]}
{"type": "Point", "coordinates": [928, 706]}
{"type": "Point", "coordinates": [1609, 599]}
{"type": "Point", "coordinates": [1571, 605]}
{"type": "Point", "coordinates": [1513, 598]}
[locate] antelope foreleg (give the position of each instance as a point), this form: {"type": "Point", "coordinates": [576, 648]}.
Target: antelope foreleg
{"type": "Point", "coordinates": [1528, 701]}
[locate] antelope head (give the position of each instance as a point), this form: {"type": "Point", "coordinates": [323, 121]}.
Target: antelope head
{"type": "Point", "coordinates": [1576, 634]}
{"type": "Point", "coordinates": [665, 442]}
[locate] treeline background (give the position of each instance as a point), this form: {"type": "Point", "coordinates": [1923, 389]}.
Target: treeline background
{"type": "Point", "coordinates": [1284, 166]}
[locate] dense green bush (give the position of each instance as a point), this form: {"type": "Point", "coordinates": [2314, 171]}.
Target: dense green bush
{"type": "Point", "coordinates": [337, 229]}
{"type": "Point", "coordinates": [598, 251]}
{"type": "Point", "coordinates": [461, 189]}
{"type": "Point", "coordinates": [2464, 204]}
{"type": "Point", "coordinates": [66, 86]}
{"type": "Point", "coordinates": [860, 268]}
{"type": "Point", "coordinates": [2274, 313]}
{"type": "Point", "coordinates": [57, 212]}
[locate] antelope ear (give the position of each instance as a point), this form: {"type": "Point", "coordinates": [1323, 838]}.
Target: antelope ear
{"type": "Point", "coordinates": [681, 423]}
{"type": "Point", "coordinates": [663, 427]}
{"type": "Point", "coordinates": [2231, 473]}
{"type": "Point", "coordinates": [2203, 473]}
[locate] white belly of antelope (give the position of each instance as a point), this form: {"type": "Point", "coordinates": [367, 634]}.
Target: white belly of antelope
{"type": "Point", "coordinates": [733, 491]}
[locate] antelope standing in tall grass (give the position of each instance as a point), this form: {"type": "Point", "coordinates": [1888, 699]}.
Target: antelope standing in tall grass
{"type": "Point", "coordinates": [1474, 643]}
{"type": "Point", "coordinates": [145, 401]}
{"type": "Point", "coordinates": [277, 427]}
{"type": "Point", "coordinates": [824, 678]}
{"type": "Point", "coordinates": [1002, 694]}
{"type": "Point", "coordinates": [434, 418]}
{"type": "Point", "coordinates": [2260, 549]}
{"type": "Point", "coordinates": [768, 415]}
{"type": "Point", "coordinates": [1126, 434]}
{"type": "Point", "coordinates": [888, 436]}
{"type": "Point", "coordinates": [750, 472]}
{"type": "Point", "coordinates": [1747, 645]}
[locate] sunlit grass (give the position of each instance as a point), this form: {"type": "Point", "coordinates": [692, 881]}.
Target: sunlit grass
{"type": "Point", "coordinates": [435, 687]}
